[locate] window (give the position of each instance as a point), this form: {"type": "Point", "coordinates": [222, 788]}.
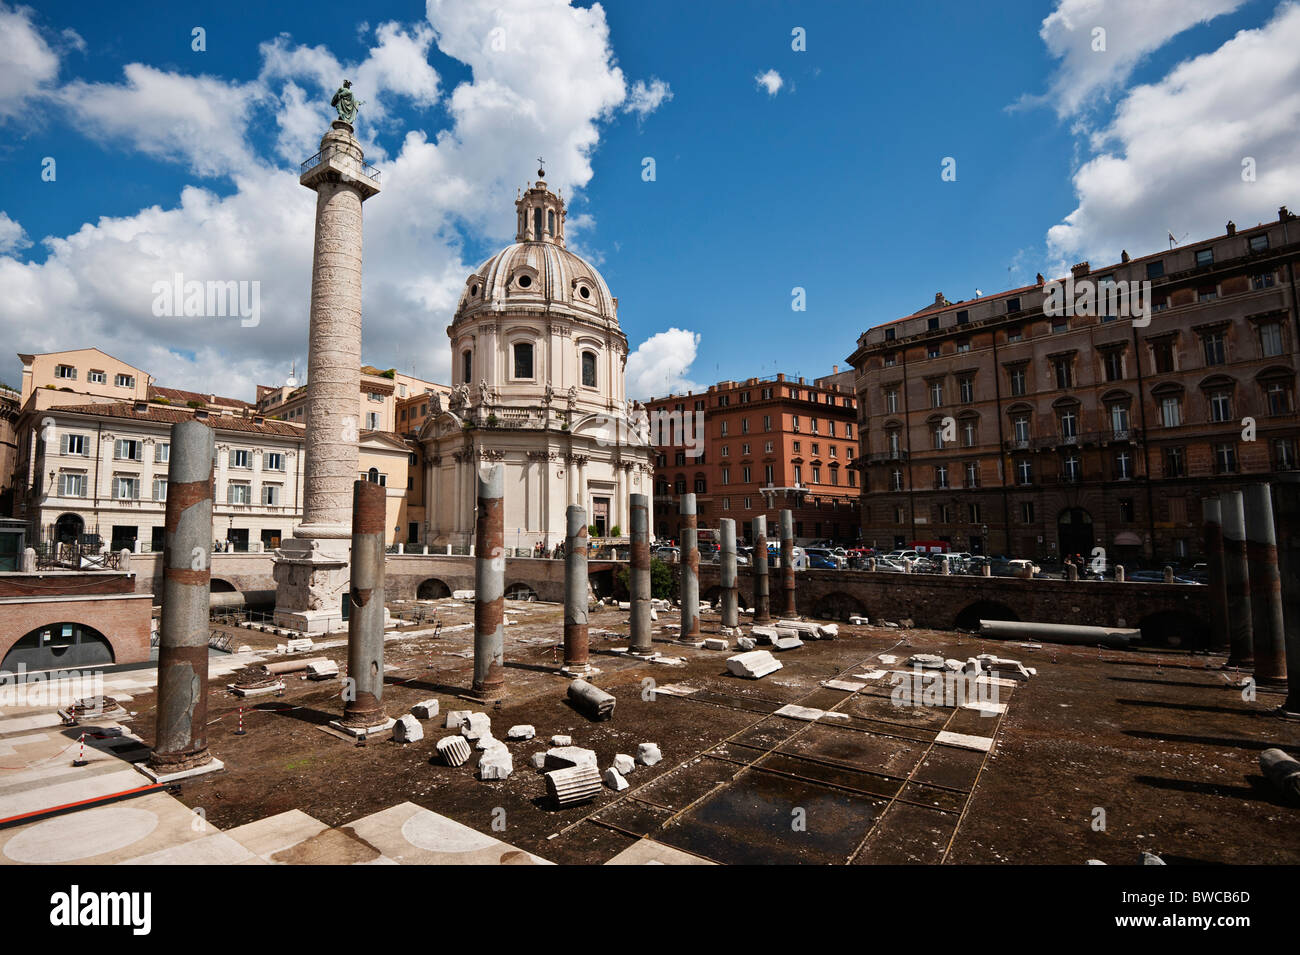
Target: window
{"type": "Point", "coordinates": [963, 346]}
{"type": "Point", "coordinates": [1069, 420]}
{"type": "Point", "coordinates": [747, 474]}
{"type": "Point", "coordinates": [794, 423]}
{"type": "Point", "coordinates": [1155, 269]}
{"type": "Point", "coordinates": [372, 420]}
{"type": "Point", "coordinates": [124, 381]}
{"type": "Point", "coordinates": [126, 487]}
{"type": "Point", "coordinates": [1013, 305]}
{"type": "Point", "coordinates": [932, 351]}
{"type": "Point", "coordinates": [726, 475]}
{"type": "Point", "coordinates": [1020, 427]}
{"type": "Point", "coordinates": [816, 449]}
{"type": "Point", "coordinates": [1270, 339]}
{"type": "Point", "coordinates": [796, 446]}
{"type": "Point", "coordinates": [972, 474]}
{"type": "Point", "coordinates": [830, 427]}
{"type": "Point", "coordinates": [467, 366]}
{"type": "Point", "coordinates": [588, 369]}
{"type": "Point", "coordinates": [97, 378]}
{"type": "Point", "coordinates": [941, 475]}
{"type": "Point", "coordinates": [744, 426]}
{"type": "Point", "coordinates": [1071, 468]}
{"type": "Point", "coordinates": [1277, 395]}
{"type": "Point", "coordinates": [891, 401]}
{"type": "Point", "coordinates": [1015, 335]}
{"type": "Point", "coordinates": [74, 444]}
{"type": "Point", "coordinates": [767, 447]}
{"type": "Point", "coordinates": [1126, 510]}
{"type": "Point", "coordinates": [523, 353]}
{"type": "Point", "coordinates": [767, 422]}
{"type": "Point", "coordinates": [900, 515]}
{"type": "Point", "coordinates": [938, 436]}
{"type": "Point", "coordinates": [1123, 465]}
{"type": "Point", "coordinates": [966, 387]}
{"type": "Point", "coordinates": [968, 433]}
{"type": "Point", "coordinates": [1024, 471]}
{"type": "Point", "coordinates": [769, 475]}
{"type": "Point", "coordinates": [1284, 454]}
{"type": "Point", "coordinates": [162, 452]}
{"type": "Point", "coordinates": [1204, 257]}
{"type": "Point", "coordinates": [1060, 324]}
{"type": "Point", "coordinates": [238, 492]}
{"type": "Point", "coordinates": [722, 428]}
{"type": "Point", "coordinates": [1019, 381]}
{"type": "Point", "coordinates": [1027, 512]}
{"type": "Point", "coordinates": [65, 371]}
{"type": "Point", "coordinates": [160, 489]}
{"type": "Point", "coordinates": [1221, 405]}
{"type": "Point", "coordinates": [1063, 371]}
{"type": "Point", "coordinates": [814, 425]}
{"type": "Point", "coordinates": [832, 449]}
{"type": "Point", "coordinates": [274, 461]}
{"type": "Point", "coordinates": [1225, 459]}
{"type": "Point", "coordinates": [1162, 356]}
{"type": "Point", "coordinates": [700, 486]}
{"type": "Point", "coordinates": [126, 449]}
{"type": "Point", "coordinates": [1119, 420]}
{"type": "Point", "coordinates": [894, 439]}
{"type": "Point", "coordinates": [963, 317]}
{"type": "Point", "coordinates": [816, 475]}
{"type": "Point", "coordinates": [1171, 411]}
{"type": "Point", "coordinates": [1175, 462]}
{"type": "Point", "coordinates": [896, 479]}
{"type": "Point", "coordinates": [936, 394]}
{"type": "Point", "coordinates": [241, 458]}
{"type": "Point", "coordinates": [932, 323]}
{"type": "Point", "coordinates": [973, 513]}
{"type": "Point", "coordinates": [271, 495]}
{"type": "Point", "coordinates": [1261, 281]}
{"type": "Point", "coordinates": [1207, 294]}
{"type": "Point", "coordinates": [724, 451]}
{"type": "Point", "coordinates": [1258, 243]}
{"type": "Point", "coordinates": [1113, 364]}
{"type": "Point", "coordinates": [72, 484]}
{"type": "Point", "coordinates": [890, 361]}
{"type": "Point", "coordinates": [1214, 347]}
{"type": "Point", "coordinates": [798, 475]}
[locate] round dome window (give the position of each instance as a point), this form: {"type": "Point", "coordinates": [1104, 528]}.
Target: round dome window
{"type": "Point", "coordinates": [473, 290]}
{"type": "Point", "coordinates": [525, 281]}
{"type": "Point", "coordinates": [584, 291]}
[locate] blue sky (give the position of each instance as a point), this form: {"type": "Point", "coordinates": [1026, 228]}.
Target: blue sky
{"type": "Point", "coordinates": [831, 183]}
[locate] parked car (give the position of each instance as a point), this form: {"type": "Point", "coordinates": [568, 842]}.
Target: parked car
{"type": "Point", "coordinates": [890, 566]}
{"type": "Point", "coordinates": [825, 557]}
{"type": "Point", "coordinates": [669, 554]}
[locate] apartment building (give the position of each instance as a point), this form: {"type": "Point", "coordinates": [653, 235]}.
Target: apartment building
{"type": "Point", "coordinates": [767, 444]}
{"type": "Point", "coordinates": [1016, 424]}
{"type": "Point", "coordinates": [96, 474]}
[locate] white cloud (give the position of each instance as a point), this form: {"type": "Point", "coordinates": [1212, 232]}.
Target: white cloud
{"type": "Point", "coordinates": [1130, 32]}
{"type": "Point", "coordinates": [770, 81]}
{"type": "Point", "coordinates": [645, 99]}
{"type": "Point", "coordinates": [13, 237]}
{"type": "Point", "coordinates": [1172, 156]}
{"type": "Point", "coordinates": [659, 365]}
{"type": "Point", "coordinates": [546, 94]}
{"type": "Point", "coordinates": [30, 64]}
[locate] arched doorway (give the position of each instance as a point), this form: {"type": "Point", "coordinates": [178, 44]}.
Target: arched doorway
{"type": "Point", "coordinates": [59, 646]}
{"type": "Point", "coordinates": [69, 528]}
{"type": "Point", "coordinates": [1074, 532]}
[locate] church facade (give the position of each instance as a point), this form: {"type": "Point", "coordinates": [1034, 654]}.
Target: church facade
{"type": "Point", "coordinates": [538, 386]}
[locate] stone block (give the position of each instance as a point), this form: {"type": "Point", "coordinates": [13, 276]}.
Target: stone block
{"type": "Point", "coordinates": [753, 665]}
{"type": "Point", "coordinates": [496, 764]}
{"type": "Point", "coordinates": [456, 718]}
{"type": "Point", "coordinates": [521, 731]}
{"type": "Point", "coordinates": [624, 763]}
{"type": "Point", "coordinates": [425, 709]}
{"type": "Point", "coordinates": [407, 729]}
{"type": "Point", "coordinates": [476, 725]}
{"type": "Point", "coordinates": [647, 754]}
{"type": "Point", "coordinates": [454, 750]}
{"type": "Point", "coordinates": [562, 757]}
{"type": "Point", "coordinates": [614, 780]}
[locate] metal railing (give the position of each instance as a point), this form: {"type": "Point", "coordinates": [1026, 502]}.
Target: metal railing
{"type": "Point", "coordinates": [360, 166]}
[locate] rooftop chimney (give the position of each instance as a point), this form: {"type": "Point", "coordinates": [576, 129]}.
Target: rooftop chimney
{"type": "Point", "coordinates": [1232, 227]}
{"type": "Point", "coordinates": [1080, 270]}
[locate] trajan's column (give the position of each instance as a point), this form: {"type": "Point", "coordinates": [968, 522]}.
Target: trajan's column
{"type": "Point", "coordinates": [311, 570]}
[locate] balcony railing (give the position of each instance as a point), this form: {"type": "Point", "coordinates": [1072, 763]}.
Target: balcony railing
{"type": "Point", "coordinates": [361, 167]}
{"type": "Point", "coordinates": [881, 456]}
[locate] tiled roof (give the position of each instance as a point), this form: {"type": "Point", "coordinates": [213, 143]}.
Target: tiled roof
{"type": "Point", "coordinates": [181, 395]}
{"type": "Point", "coordinates": [163, 415]}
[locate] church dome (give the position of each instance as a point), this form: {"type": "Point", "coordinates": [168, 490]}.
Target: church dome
{"type": "Point", "coordinates": [537, 273]}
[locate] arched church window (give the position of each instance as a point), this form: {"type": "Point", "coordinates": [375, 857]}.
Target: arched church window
{"type": "Point", "coordinates": [550, 221]}
{"type": "Point", "coordinates": [467, 366]}
{"type": "Point", "coordinates": [523, 360]}
{"type": "Point", "coordinates": [589, 369]}
{"type": "Point", "coordinates": [537, 223]}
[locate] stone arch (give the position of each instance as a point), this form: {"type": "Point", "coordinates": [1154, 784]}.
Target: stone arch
{"type": "Point", "coordinates": [432, 589]}
{"type": "Point", "coordinates": [1179, 629]}
{"type": "Point", "coordinates": [520, 591]}
{"type": "Point", "coordinates": [712, 596]}
{"type": "Point", "coordinates": [69, 528]}
{"type": "Point", "coordinates": [220, 586]}
{"type": "Point", "coordinates": [838, 605]}
{"type": "Point", "coordinates": [61, 645]}
{"type": "Point", "coordinates": [970, 617]}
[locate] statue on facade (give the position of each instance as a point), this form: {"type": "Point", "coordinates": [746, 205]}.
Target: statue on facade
{"type": "Point", "coordinates": [459, 398]}
{"type": "Point", "coordinates": [573, 394]}
{"type": "Point", "coordinates": [435, 404]}
{"type": "Point", "coordinates": [346, 102]}
{"type": "Point", "coordinates": [549, 395]}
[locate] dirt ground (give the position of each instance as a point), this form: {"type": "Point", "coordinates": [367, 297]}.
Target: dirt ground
{"type": "Point", "coordinates": [1102, 754]}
